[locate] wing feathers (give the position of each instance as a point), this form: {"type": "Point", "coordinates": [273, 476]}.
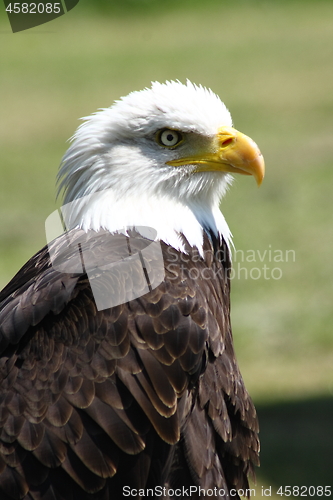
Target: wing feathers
{"type": "Point", "coordinates": [52, 451]}
{"type": "Point", "coordinates": [58, 414]}
{"type": "Point", "coordinates": [84, 395]}
{"type": "Point", "coordinates": [71, 432]}
{"type": "Point", "coordinates": [115, 427]}
{"type": "Point", "coordinates": [158, 378]}
{"type": "Point", "coordinates": [81, 474]}
{"type": "Point", "coordinates": [147, 392]}
{"type": "Point", "coordinates": [167, 428]}
{"type": "Point", "coordinates": [30, 435]}
{"type": "Point", "coordinates": [13, 484]}
{"type": "Point", "coordinates": [93, 458]}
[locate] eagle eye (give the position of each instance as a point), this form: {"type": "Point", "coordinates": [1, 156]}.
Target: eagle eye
{"type": "Point", "coordinates": [169, 138]}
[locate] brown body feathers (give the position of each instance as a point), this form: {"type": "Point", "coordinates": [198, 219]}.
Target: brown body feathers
{"type": "Point", "coordinates": [142, 395]}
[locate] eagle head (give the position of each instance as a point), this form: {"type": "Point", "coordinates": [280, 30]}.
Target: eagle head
{"type": "Point", "coordinates": [162, 157]}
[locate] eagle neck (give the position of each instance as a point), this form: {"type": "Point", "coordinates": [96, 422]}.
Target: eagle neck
{"type": "Point", "coordinates": [171, 219]}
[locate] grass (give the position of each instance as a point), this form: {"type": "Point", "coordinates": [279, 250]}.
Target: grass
{"type": "Point", "coordinates": [272, 65]}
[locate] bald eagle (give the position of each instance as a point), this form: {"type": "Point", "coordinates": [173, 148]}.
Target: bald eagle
{"type": "Point", "coordinates": [118, 378]}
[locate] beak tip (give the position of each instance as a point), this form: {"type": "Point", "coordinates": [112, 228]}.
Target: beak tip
{"type": "Point", "coordinates": [243, 156]}
{"type": "Point", "coordinates": [259, 180]}
{"type": "Point", "coordinates": [259, 171]}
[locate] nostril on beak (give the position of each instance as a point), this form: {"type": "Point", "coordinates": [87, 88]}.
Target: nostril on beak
{"type": "Point", "coordinates": [227, 142]}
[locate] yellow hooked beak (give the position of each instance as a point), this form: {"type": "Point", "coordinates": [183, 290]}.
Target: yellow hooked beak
{"type": "Point", "coordinates": [232, 152]}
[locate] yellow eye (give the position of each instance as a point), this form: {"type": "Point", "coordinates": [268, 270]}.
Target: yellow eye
{"type": "Point", "coordinates": [169, 138]}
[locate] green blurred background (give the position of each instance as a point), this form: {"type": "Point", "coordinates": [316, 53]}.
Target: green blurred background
{"type": "Point", "coordinates": [271, 62]}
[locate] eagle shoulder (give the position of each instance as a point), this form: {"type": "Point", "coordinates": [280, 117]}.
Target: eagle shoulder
{"type": "Point", "coordinates": [144, 393]}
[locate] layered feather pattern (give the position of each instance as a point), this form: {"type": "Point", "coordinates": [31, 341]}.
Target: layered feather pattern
{"type": "Point", "coordinates": [146, 393]}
